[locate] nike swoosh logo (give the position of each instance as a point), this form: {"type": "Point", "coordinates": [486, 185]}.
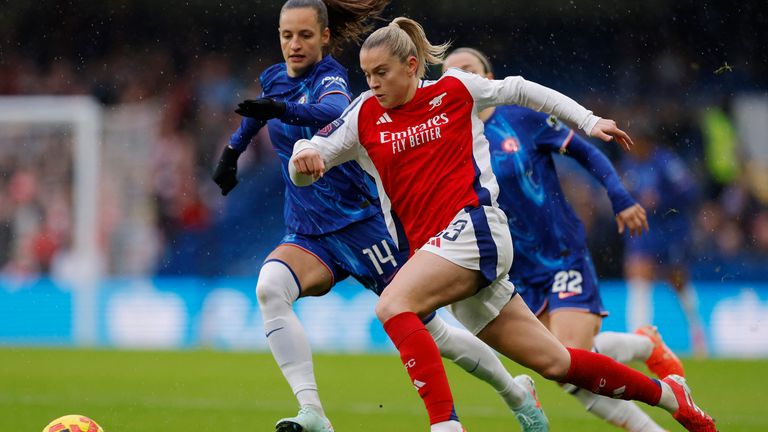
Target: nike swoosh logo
{"type": "Point", "coordinates": [564, 295]}
{"type": "Point", "coordinates": [272, 331]}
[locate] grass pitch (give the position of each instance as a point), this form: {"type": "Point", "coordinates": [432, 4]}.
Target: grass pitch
{"type": "Point", "coordinates": [148, 391]}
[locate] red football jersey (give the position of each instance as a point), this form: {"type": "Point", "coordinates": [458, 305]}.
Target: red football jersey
{"type": "Point", "coordinates": [429, 156]}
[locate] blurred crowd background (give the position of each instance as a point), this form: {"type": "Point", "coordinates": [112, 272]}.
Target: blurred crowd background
{"type": "Point", "coordinates": [688, 76]}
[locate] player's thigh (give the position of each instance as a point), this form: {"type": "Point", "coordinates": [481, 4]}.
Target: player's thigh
{"type": "Point", "coordinates": [576, 329]}
{"type": "Point", "coordinates": [315, 278]}
{"type": "Point", "coordinates": [424, 284]}
{"type": "Point", "coordinates": [520, 336]}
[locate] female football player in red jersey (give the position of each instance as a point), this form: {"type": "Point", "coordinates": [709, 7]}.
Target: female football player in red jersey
{"type": "Point", "coordinates": [423, 144]}
{"type": "Point", "coordinates": [552, 270]}
{"type": "Point", "coordinates": [336, 228]}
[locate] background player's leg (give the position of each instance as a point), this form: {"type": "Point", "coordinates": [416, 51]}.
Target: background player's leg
{"type": "Point", "coordinates": [288, 273]}
{"type": "Point", "coordinates": [623, 347]}
{"type": "Point", "coordinates": [577, 329]}
{"type": "Point", "coordinates": [639, 273]}
{"type": "Point", "coordinates": [689, 302]}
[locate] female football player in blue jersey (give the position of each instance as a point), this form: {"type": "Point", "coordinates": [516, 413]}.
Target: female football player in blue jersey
{"type": "Point", "coordinates": [666, 187]}
{"type": "Point", "coordinates": [335, 228]}
{"type": "Point", "coordinates": [552, 269]}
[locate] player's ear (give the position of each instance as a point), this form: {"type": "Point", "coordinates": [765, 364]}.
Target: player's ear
{"type": "Point", "coordinates": [325, 37]}
{"type": "Point", "coordinates": [413, 65]}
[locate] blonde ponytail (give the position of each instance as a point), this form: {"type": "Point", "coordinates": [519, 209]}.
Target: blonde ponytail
{"type": "Point", "coordinates": [405, 37]}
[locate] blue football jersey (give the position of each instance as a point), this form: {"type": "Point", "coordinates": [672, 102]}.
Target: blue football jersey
{"type": "Point", "coordinates": [546, 232]}
{"type": "Point", "coordinates": [344, 195]}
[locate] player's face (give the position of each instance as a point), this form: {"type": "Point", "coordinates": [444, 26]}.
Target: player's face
{"type": "Point", "coordinates": [392, 81]}
{"type": "Point", "coordinates": [301, 39]}
{"type": "Point", "coordinates": [466, 62]}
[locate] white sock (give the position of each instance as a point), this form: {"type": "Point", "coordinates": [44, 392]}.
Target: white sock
{"type": "Point", "coordinates": [276, 291]}
{"type": "Point", "coordinates": [623, 347]}
{"type": "Point", "coordinates": [639, 308]}
{"type": "Point", "coordinates": [474, 356]}
{"type": "Point", "coordinates": [447, 426]}
{"type": "Point", "coordinates": [689, 300]}
{"type": "Point", "coordinates": [620, 413]}
{"type": "Point", "coordinates": [668, 401]}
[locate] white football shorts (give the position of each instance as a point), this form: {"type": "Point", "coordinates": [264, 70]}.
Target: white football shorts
{"type": "Point", "coordinates": [478, 239]}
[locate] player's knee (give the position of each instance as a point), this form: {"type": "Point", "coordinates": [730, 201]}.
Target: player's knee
{"type": "Point", "coordinates": [388, 306]}
{"type": "Point", "coordinates": [276, 285]}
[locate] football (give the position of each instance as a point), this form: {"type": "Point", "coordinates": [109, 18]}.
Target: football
{"type": "Point", "coordinates": [73, 423]}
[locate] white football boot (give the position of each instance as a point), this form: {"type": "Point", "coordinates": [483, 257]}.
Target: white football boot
{"type": "Point", "coordinates": [307, 420]}
{"type": "Point", "coordinates": [530, 415]}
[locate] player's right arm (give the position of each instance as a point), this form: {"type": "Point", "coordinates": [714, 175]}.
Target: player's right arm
{"type": "Point", "coordinates": [336, 143]}
{"type": "Point", "coordinates": [225, 174]}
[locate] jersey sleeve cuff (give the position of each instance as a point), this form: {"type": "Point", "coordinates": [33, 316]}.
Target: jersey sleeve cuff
{"type": "Point", "coordinates": [590, 124]}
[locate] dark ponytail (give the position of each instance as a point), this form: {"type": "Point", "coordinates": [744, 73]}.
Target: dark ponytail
{"type": "Point", "coordinates": [348, 20]}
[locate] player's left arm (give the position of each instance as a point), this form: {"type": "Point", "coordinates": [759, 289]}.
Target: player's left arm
{"type": "Point", "coordinates": [629, 214]}
{"type": "Point", "coordinates": [515, 90]}
{"type": "Point", "coordinates": [313, 115]}
{"type": "Point", "coordinates": [327, 101]}
{"type": "Point", "coordinates": [332, 145]}
{"type": "Point", "coordinates": [319, 114]}
{"type": "Point", "coordinates": [330, 97]}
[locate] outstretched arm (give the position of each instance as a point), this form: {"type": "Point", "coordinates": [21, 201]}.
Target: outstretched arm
{"type": "Point", "coordinates": [319, 114]}
{"type": "Point", "coordinates": [516, 90]}
{"type": "Point", "coordinates": [312, 115]}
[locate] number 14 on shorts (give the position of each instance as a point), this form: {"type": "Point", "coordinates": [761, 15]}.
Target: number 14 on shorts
{"type": "Point", "coordinates": [378, 257]}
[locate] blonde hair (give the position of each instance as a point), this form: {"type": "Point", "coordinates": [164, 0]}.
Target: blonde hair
{"type": "Point", "coordinates": [405, 37]}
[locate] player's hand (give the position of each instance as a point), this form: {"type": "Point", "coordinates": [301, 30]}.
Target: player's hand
{"type": "Point", "coordinates": [309, 162]}
{"type": "Point", "coordinates": [225, 174]}
{"type": "Point", "coordinates": [606, 130]}
{"type": "Point", "coordinates": [261, 109]}
{"type": "Point", "coordinates": [634, 219]}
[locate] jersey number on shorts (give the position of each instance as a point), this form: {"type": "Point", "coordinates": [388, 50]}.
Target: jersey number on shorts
{"type": "Point", "coordinates": [567, 282]}
{"type": "Point", "coordinates": [377, 258]}
{"type": "Point", "coordinates": [454, 230]}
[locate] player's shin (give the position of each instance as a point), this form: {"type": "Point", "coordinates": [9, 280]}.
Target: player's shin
{"type": "Point", "coordinates": [422, 361]}
{"type": "Point", "coordinates": [602, 375]}
{"type": "Point", "coordinates": [276, 291]}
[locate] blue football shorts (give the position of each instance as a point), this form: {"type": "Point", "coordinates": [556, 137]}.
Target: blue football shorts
{"type": "Point", "coordinates": [573, 287]}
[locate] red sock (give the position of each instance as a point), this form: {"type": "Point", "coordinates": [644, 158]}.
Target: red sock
{"type": "Point", "coordinates": [603, 375]}
{"type": "Point", "coordinates": [422, 361]}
